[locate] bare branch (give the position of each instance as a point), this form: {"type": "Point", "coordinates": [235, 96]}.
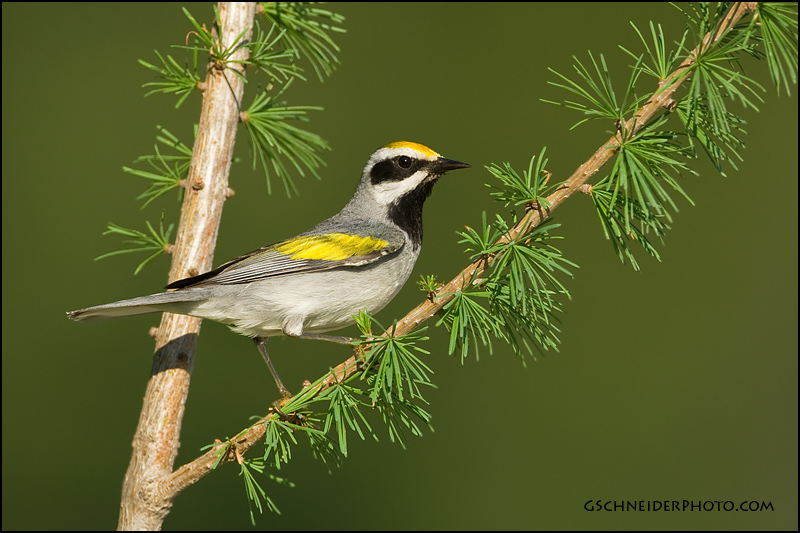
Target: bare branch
{"type": "Point", "coordinates": [155, 443]}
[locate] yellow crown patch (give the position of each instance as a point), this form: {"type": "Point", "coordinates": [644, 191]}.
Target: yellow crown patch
{"type": "Point", "coordinates": [414, 146]}
{"type": "Point", "coordinates": [330, 247]}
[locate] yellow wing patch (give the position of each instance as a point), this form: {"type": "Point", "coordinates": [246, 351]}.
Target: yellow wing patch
{"type": "Point", "coordinates": [330, 247]}
{"type": "Point", "coordinates": [414, 146]}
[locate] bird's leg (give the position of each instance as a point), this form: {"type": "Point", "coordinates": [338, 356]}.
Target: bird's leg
{"type": "Point", "coordinates": [261, 344]}
{"type": "Point", "coordinates": [329, 338]}
{"type": "Point", "coordinates": [358, 350]}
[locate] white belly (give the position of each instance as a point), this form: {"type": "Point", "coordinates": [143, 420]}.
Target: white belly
{"type": "Point", "coordinates": [314, 302]}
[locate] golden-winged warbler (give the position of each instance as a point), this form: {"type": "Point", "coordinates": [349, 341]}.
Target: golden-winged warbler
{"type": "Point", "coordinates": [358, 259]}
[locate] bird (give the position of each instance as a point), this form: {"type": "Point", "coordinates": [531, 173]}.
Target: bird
{"type": "Point", "coordinates": [316, 282]}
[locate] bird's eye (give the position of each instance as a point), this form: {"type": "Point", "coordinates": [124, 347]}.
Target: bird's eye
{"type": "Point", "coordinates": [404, 161]}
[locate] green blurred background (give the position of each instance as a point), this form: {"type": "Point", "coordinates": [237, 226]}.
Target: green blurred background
{"type": "Point", "coordinates": [677, 383]}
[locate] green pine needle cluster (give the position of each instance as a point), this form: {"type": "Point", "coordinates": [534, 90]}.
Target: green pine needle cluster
{"type": "Point", "coordinates": [530, 189]}
{"type": "Point", "coordinates": [176, 79]}
{"type": "Point", "coordinates": [779, 34]}
{"type": "Point", "coordinates": [156, 242]}
{"type": "Point", "coordinates": [596, 94]}
{"type": "Point", "coordinates": [516, 299]}
{"type": "Point", "coordinates": [168, 169]}
{"type": "Point", "coordinates": [255, 493]}
{"type": "Point", "coordinates": [307, 30]}
{"type": "Point", "coordinates": [275, 140]}
{"type": "Point", "coordinates": [635, 199]}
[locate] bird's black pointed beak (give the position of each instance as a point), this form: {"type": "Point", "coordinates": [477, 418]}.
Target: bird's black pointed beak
{"type": "Point", "coordinates": [442, 165]}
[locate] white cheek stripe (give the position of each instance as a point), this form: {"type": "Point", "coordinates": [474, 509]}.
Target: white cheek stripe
{"type": "Point", "coordinates": [389, 191]}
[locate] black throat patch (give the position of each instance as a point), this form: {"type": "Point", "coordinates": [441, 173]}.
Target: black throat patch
{"type": "Point", "coordinates": [407, 211]}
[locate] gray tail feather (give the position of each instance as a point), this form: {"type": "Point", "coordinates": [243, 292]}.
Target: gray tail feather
{"type": "Point", "coordinates": [174, 302]}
